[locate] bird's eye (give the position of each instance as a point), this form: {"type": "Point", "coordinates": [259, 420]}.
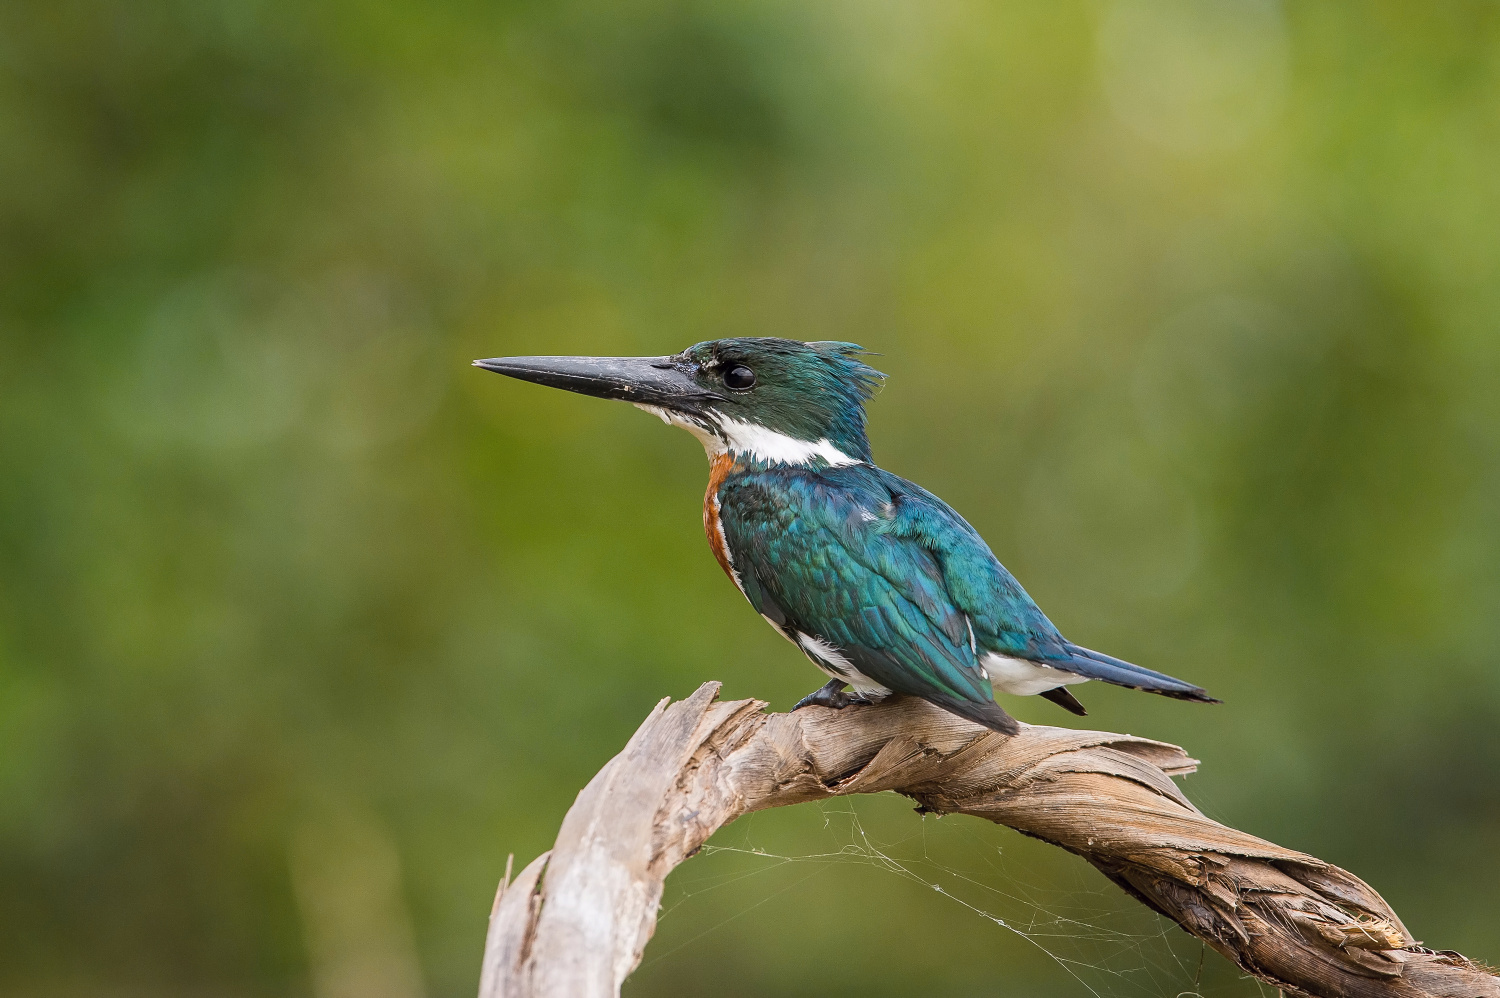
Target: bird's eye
{"type": "Point", "coordinates": [739, 378]}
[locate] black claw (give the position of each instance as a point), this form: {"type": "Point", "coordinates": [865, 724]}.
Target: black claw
{"type": "Point", "coordinates": [830, 694]}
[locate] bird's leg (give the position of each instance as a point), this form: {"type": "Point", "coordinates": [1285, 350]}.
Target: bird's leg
{"type": "Point", "coordinates": [830, 694]}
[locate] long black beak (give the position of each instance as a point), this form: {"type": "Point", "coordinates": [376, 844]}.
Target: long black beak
{"type": "Point", "coordinates": [663, 381]}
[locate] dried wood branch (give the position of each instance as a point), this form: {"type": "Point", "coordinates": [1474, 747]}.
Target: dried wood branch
{"type": "Point", "coordinates": [575, 922]}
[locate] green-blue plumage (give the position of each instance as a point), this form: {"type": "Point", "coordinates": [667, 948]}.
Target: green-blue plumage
{"type": "Point", "coordinates": [893, 578]}
{"type": "Point", "coordinates": [878, 580]}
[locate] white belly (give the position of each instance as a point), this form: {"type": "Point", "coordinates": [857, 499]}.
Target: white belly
{"type": "Point", "coordinates": [837, 666]}
{"type": "Point", "coordinates": [1015, 676]}
{"type": "Point", "coordinates": [1021, 678]}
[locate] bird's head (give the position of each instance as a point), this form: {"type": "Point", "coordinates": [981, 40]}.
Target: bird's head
{"type": "Point", "coordinates": [767, 400]}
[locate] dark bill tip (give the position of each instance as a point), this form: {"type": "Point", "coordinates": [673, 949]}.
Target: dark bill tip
{"type": "Point", "coordinates": [647, 380]}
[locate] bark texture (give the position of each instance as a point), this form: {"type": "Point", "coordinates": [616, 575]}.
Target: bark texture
{"type": "Point", "coordinates": [575, 922]}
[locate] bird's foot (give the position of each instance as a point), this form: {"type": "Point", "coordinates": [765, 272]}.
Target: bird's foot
{"type": "Point", "coordinates": [832, 695]}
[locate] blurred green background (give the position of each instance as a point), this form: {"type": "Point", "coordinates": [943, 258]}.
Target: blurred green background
{"type": "Point", "coordinates": [1191, 306]}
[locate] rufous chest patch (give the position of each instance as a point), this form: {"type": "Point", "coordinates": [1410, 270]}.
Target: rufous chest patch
{"type": "Point", "coordinates": [718, 470]}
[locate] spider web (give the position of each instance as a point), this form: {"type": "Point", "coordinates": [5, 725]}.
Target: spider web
{"type": "Point", "coordinates": [1018, 915]}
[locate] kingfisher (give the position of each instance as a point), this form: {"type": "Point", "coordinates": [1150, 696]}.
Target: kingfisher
{"type": "Point", "coordinates": [879, 582]}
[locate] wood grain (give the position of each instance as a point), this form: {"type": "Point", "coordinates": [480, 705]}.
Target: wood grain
{"type": "Point", "coordinates": [575, 923]}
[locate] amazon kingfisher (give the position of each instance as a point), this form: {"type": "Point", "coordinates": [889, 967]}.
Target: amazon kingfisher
{"type": "Point", "coordinates": [878, 581]}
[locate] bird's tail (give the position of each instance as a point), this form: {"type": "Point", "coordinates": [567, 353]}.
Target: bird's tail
{"type": "Point", "coordinates": [1097, 665]}
{"type": "Point", "coordinates": [986, 712]}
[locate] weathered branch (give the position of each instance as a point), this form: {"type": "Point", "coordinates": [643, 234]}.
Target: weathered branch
{"type": "Point", "coordinates": [575, 922]}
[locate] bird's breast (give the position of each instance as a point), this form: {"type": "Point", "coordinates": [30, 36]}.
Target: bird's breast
{"type": "Point", "coordinates": [719, 468]}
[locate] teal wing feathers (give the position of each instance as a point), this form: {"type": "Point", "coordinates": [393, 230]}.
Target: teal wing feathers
{"type": "Point", "coordinates": [825, 561]}
{"type": "Point", "coordinates": [1006, 620]}
{"type": "Point", "coordinates": [897, 581]}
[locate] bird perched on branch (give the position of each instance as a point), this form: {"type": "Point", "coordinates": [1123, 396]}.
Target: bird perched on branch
{"type": "Point", "coordinates": [879, 582]}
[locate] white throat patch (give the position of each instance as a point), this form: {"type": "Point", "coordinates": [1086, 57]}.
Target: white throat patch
{"type": "Point", "coordinates": [756, 442]}
{"type": "Point", "coordinates": [708, 438]}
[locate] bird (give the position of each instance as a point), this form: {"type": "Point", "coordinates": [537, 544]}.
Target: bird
{"type": "Point", "coordinates": [881, 584]}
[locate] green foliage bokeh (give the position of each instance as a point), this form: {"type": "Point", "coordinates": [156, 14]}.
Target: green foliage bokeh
{"type": "Point", "coordinates": [1191, 306]}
